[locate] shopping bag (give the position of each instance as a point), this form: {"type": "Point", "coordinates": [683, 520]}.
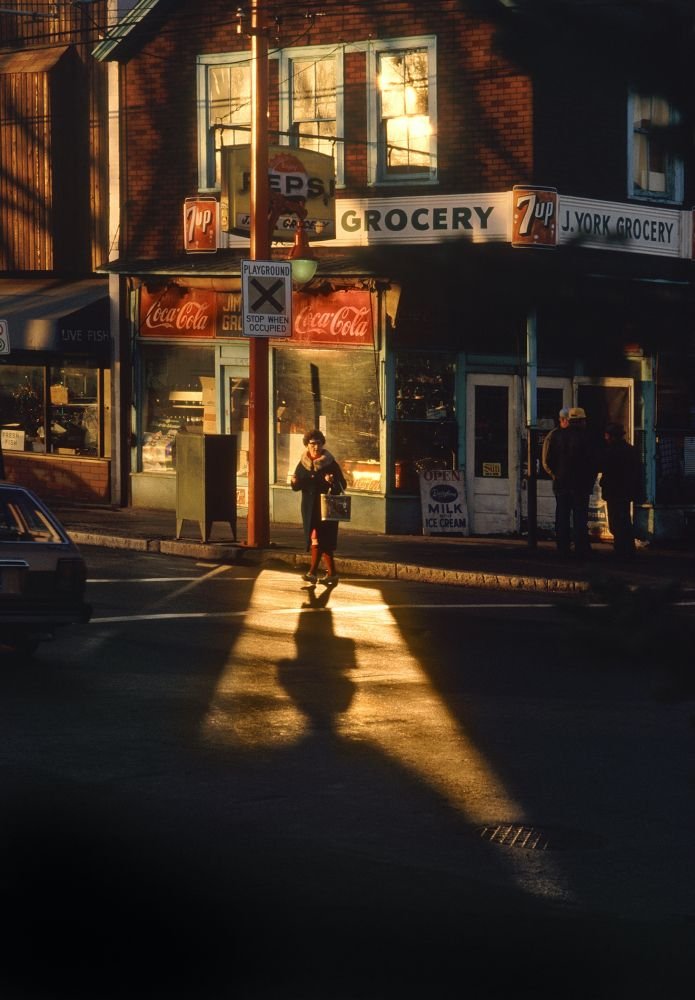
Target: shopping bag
{"type": "Point", "coordinates": [336, 507]}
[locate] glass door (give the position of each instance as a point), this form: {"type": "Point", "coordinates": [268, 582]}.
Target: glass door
{"type": "Point", "coordinates": [236, 419]}
{"type": "Point", "coordinates": [492, 454]}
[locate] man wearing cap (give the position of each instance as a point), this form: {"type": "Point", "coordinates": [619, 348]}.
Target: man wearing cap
{"type": "Point", "coordinates": [621, 484]}
{"type": "Point", "coordinates": [573, 464]}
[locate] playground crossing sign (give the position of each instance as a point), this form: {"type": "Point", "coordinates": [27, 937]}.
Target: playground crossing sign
{"type": "Point", "coordinates": [266, 293]}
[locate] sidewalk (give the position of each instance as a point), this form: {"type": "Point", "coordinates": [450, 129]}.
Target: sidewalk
{"type": "Point", "coordinates": [500, 563]}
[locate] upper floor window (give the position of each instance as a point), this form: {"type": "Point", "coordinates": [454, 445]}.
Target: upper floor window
{"type": "Point", "coordinates": [311, 102]}
{"type": "Point", "coordinates": [224, 111]}
{"type": "Point", "coordinates": [403, 111]}
{"type": "Point", "coordinates": [656, 171]}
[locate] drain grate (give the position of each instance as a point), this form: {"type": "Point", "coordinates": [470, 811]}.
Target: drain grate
{"type": "Point", "coordinates": [529, 838]}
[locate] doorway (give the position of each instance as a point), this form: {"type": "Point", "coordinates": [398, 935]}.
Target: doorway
{"type": "Point", "coordinates": [606, 400]}
{"type": "Point", "coordinates": [235, 381]}
{"type": "Point", "coordinates": [552, 394]}
{"type": "Point", "coordinates": [493, 451]}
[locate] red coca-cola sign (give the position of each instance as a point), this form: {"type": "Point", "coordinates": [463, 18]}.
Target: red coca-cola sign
{"type": "Point", "coordinates": [340, 319]}
{"type": "Point", "coordinates": [177, 311]}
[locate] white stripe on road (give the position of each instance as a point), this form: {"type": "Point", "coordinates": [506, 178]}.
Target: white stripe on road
{"type": "Point", "coordinates": [354, 609]}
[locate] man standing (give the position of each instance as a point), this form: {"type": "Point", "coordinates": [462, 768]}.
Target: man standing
{"type": "Point", "coordinates": [621, 484]}
{"type": "Point", "coordinates": [572, 462]}
{"type": "Point", "coordinates": [563, 424]}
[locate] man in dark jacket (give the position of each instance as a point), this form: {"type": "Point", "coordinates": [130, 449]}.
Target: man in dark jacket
{"type": "Point", "coordinates": [621, 484]}
{"type": "Point", "coordinates": [573, 464]}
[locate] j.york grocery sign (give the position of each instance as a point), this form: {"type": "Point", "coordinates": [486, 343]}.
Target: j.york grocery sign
{"type": "Point", "coordinates": [527, 216]}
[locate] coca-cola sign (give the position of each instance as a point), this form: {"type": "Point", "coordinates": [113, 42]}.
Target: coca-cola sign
{"type": "Point", "coordinates": [177, 311]}
{"type": "Point", "coordinates": [341, 319]}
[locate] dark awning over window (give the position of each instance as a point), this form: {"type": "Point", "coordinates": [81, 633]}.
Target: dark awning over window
{"type": "Point", "coordinates": [57, 316]}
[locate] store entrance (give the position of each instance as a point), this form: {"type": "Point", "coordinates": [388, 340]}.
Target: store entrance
{"type": "Point", "coordinates": [235, 380]}
{"type": "Point", "coordinates": [606, 400]}
{"type": "Point", "coordinates": [552, 394]}
{"type": "Point", "coordinates": [492, 454]}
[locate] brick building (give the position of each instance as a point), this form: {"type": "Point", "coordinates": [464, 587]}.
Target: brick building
{"type": "Point", "coordinates": [55, 359]}
{"type": "Point", "coordinates": [502, 234]}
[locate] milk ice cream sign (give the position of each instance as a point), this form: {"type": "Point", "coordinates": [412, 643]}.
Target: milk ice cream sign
{"type": "Point", "coordinates": [443, 502]}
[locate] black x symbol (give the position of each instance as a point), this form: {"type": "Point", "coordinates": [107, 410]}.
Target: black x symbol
{"type": "Point", "coordinates": [266, 296]}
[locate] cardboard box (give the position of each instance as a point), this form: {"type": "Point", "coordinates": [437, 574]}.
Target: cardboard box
{"type": "Point", "coordinates": [59, 395]}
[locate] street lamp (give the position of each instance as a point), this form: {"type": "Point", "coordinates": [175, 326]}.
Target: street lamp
{"type": "Point", "coordinates": [304, 261]}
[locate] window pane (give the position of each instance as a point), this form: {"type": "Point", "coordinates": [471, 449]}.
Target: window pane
{"type": "Point", "coordinates": [314, 103]}
{"type": "Point", "coordinates": [416, 83]}
{"type": "Point", "coordinates": [315, 388]}
{"type": "Point", "coordinates": [492, 431]}
{"type": "Point", "coordinates": [172, 399]}
{"type": "Point", "coordinates": [325, 89]}
{"type": "Point", "coordinates": [73, 411]}
{"type": "Point", "coordinates": [22, 404]}
{"type": "Point", "coordinates": [425, 432]}
{"type": "Point", "coordinates": [406, 127]}
{"type": "Point", "coordinates": [425, 386]}
{"type": "Point", "coordinates": [654, 166]}
{"type": "Point", "coordinates": [303, 107]}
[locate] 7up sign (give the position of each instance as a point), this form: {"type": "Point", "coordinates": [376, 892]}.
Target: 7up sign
{"type": "Point", "coordinates": [4, 337]}
{"type": "Point", "coordinates": [534, 216]}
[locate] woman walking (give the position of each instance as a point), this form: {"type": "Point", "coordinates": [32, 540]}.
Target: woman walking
{"type": "Point", "coordinates": [318, 472]}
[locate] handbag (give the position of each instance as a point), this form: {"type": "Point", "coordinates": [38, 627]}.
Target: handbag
{"type": "Point", "coordinates": [336, 507]}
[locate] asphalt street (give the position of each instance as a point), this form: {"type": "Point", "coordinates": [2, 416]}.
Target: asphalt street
{"type": "Point", "coordinates": [230, 785]}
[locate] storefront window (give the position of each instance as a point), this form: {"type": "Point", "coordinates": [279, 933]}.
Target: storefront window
{"type": "Point", "coordinates": [336, 391]}
{"type": "Point", "coordinates": [68, 400]}
{"type": "Point", "coordinates": [425, 434]}
{"type": "Point", "coordinates": [73, 411]}
{"type": "Point", "coordinates": [675, 430]}
{"type": "Point", "coordinates": [178, 397]}
{"type": "Point", "coordinates": [22, 407]}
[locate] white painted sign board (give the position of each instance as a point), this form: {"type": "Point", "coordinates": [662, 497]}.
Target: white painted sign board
{"type": "Point", "coordinates": [443, 501]}
{"type": "Point", "coordinates": [266, 298]}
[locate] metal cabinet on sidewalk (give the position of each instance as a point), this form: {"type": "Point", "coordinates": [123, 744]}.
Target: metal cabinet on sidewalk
{"type": "Point", "coordinates": [205, 481]}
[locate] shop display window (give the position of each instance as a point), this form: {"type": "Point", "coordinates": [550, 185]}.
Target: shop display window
{"type": "Point", "coordinates": [675, 431]}
{"type": "Point", "coordinates": [73, 411]}
{"type": "Point", "coordinates": [55, 409]}
{"type": "Point", "coordinates": [178, 397]}
{"type": "Point", "coordinates": [425, 433]}
{"type": "Point", "coordinates": [336, 391]}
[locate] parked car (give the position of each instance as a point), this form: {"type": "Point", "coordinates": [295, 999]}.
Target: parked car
{"type": "Point", "coordinates": [42, 574]}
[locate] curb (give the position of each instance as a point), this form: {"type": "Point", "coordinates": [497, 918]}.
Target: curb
{"type": "Point", "coordinates": [231, 552]}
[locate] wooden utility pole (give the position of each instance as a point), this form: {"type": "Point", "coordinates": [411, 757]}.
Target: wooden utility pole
{"type": "Point", "coordinates": [258, 522]}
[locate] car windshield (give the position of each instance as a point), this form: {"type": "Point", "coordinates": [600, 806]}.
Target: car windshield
{"type": "Point", "coordinates": [22, 520]}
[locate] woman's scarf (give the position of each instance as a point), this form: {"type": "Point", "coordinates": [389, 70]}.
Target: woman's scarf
{"type": "Point", "coordinates": [317, 464]}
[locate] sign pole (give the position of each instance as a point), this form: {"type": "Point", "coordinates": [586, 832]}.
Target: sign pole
{"type": "Point", "coordinates": [258, 521]}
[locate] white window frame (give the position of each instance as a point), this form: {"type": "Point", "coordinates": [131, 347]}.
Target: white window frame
{"type": "Point", "coordinates": [287, 56]}
{"type": "Point", "coordinates": [675, 171]}
{"type": "Point", "coordinates": [377, 172]}
{"type": "Point", "coordinates": [207, 182]}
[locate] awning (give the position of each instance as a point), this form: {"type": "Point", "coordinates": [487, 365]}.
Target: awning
{"type": "Point", "coordinates": [56, 316]}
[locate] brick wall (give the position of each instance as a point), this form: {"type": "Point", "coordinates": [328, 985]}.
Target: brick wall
{"type": "Point", "coordinates": [86, 480]}
{"type": "Point", "coordinates": [484, 106]}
